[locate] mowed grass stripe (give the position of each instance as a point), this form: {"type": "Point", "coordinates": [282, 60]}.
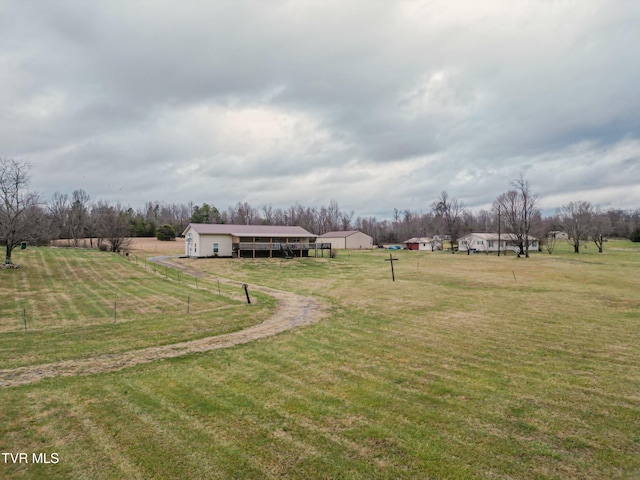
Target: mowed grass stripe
{"type": "Point", "coordinates": [357, 400]}
{"type": "Point", "coordinates": [82, 321]}
{"type": "Point", "coordinates": [152, 295]}
{"type": "Point", "coordinates": [462, 373]}
{"type": "Point", "coordinates": [92, 285]}
{"type": "Point", "coordinates": [102, 443]}
{"type": "Point", "coordinates": [143, 296]}
{"type": "Point", "coordinates": [177, 410]}
{"type": "Point", "coordinates": [130, 288]}
{"type": "Point", "coordinates": [269, 426]}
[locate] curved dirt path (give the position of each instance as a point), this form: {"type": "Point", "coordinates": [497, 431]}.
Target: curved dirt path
{"type": "Point", "coordinates": [293, 311]}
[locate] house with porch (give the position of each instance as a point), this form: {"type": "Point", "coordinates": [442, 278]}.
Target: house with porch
{"type": "Point", "coordinates": [249, 241]}
{"type": "Point", "coordinates": [492, 242]}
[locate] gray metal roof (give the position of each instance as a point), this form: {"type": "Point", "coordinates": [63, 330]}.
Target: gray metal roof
{"type": "Point", "coordinates": [249, 230]}
{"type": "Point", "coordinates": [420, 240]}
{"type": "Point", "coordinates": [339, 234]}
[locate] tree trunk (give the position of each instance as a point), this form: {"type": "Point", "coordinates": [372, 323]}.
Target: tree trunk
{"type": "Point", "coordinates": [8, 257]}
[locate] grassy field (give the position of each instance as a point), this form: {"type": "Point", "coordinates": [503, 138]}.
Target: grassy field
{"type": "Point", "coordinates": [77, 303]}
{"type": "Point", "coordinates": [464, 367]}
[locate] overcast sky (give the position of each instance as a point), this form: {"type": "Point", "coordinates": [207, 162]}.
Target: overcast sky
{"type": "Point", "coordinates": [375, 104]}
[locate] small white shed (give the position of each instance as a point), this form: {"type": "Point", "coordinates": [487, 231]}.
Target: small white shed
{"type": "Point", "coordinates": [426, 244]}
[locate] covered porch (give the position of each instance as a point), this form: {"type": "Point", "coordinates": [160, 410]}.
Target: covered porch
{"type": "Point", "coordinates": [279, 248]}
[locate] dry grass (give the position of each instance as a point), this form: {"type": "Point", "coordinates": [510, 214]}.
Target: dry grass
{"type": "Point", "coordinates": [153, 246]}
{"type": "Point", "coordinates": [142, 246]}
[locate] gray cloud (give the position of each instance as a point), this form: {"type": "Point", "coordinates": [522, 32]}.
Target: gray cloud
{"type": "Point", "coordinates": [377, 105]}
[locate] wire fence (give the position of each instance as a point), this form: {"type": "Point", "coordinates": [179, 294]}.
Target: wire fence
{"type": "Point", "coordinates": [95, 307]}
{"type": "Point", "coordinates": [39, 315]}
{"type": "Point", "coordinates": [73, 294]}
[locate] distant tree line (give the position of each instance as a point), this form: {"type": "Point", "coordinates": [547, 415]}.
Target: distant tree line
{"type": "Point", "coordinates": [24, 216]}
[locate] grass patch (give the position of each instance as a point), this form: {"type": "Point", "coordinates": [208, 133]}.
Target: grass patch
{"type": "Point", "coordinates": [83, 303]}
{"type": "Point", "coordinates": [465, 367]}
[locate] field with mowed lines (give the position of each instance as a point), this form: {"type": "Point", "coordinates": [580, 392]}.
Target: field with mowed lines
{"type": "Point", "coordinates": [74, 303]}
{"type": "Point", "coordinates": [464, 367]}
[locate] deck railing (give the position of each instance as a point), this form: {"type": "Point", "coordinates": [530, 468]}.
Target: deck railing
{"type": "Point", "coordinates": [279, 245]}
{"type": "Point", "coordinates": [277, 248]}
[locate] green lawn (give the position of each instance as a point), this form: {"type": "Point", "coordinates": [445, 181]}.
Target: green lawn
{"type": "Point", "coordinates": [83, 303]}
{"type": "Point", "coordinates": [464, 367]}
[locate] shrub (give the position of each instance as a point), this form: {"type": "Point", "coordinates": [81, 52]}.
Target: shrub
{"type": "Point", "coordinates": [165, 233]}
{"type": "Point", "coordinates": [635, 235]}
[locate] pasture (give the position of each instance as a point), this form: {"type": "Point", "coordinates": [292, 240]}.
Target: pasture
{"type": "Point", "coordinates": [76, 303]}
{"type": "Point", "coordinates": [464, 367]}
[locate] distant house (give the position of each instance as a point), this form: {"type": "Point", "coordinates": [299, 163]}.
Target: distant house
{"type": "Point", "coordinates": [558, 235]}
{"type": "Point", "coordinates": [248, 241]}
{"type": "Point", "coordinates": [423, 243]}
{"type": "Point", "coordinates": [488, 242]}
{"type": "Point", "coordinates": [348, 239]}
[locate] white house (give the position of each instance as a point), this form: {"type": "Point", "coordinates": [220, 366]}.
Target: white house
{"type": "Point", "coordinates": [224, 240]}
{"type": "Point", "coordinates": [488, 242]}
{"type": "Point", "coordinates": [423, 243]}
{"type": "Point", "coordinates": [558, 235]}
{"type": "Point", "coordinates": [348, 239]}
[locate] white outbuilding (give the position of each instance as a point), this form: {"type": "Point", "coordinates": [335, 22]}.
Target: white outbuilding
{"type": "Point", "coordinates": [347, 239]}
{"type": "Point", "coordinates": [426, 244]}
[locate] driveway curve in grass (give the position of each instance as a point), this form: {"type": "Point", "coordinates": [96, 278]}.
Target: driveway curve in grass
{"type": "Point", "coordinates": [293, 311]}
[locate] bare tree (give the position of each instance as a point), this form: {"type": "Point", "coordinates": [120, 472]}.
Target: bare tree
{"type": "Point", "coordinates": [59, 212]}
{"type": "Point", "coordinates": [15, 200]}
{"type": "Point", "coordinates": [267, 214]}
{"type": "Point", "coordinates": [112, 226]}
{"type": "Point", "coordinates": [345, 220]}
{"type": "Point", "coordinates": [576, 220]}
{"type": "Point", "coordinates": [450, 211]}
{"type": "Point", "coordinates": [550, 242]}
{"type": "Point", "coordinates": [548, 231]}
{"type": "Point", "coordinates": [599, 223]}
{"type": "Point", "coordinates": [37, 225]}
{"type": "Point", "coordinates": [243, 214]}
{"type": "Point", "coordinates": [519, 207]}
{"type": "Point", "coordinates": [78, 215]}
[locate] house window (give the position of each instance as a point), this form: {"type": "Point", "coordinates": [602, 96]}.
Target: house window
{"type": "Point", "coordinates": [490, 243]}
{"type": "Point", "coordinates": [215, 248]}
{"type": "Point", "coordinates": [480, 242]}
